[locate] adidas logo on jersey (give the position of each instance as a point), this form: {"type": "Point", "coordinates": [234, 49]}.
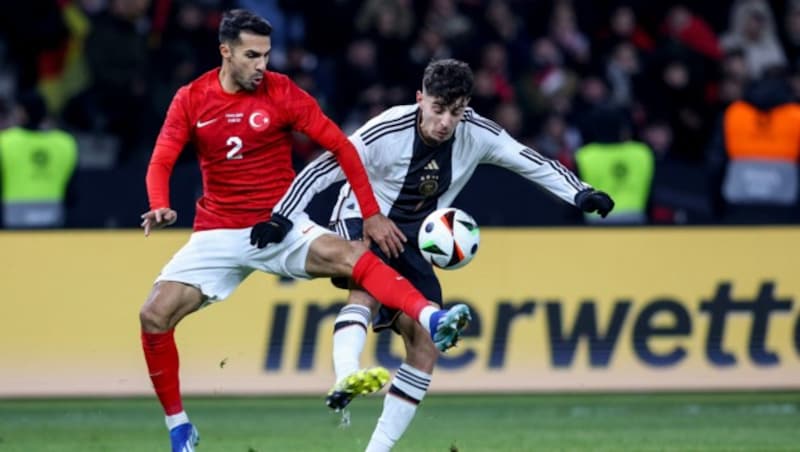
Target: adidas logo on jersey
{"type": "Point", "coordinates": [432, 166]}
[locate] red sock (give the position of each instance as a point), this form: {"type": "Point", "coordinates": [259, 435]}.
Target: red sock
{"type": "Point", "coordinates": [388, 286]}
{"type": "Point", "coordinates": [161, 355]}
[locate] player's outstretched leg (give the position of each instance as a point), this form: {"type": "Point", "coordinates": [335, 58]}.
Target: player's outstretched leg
{"type": "Point", "coordinates": [360, 382]}
{"type": "Point", "coordinates": [394, 291]}
{"type": "Point", "coordinates": [331, 255]}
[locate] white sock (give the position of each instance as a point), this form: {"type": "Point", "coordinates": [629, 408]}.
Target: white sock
{"type": "Point", "coordinates": [176, 420]}
{"type": "Point", "coordinates": [399, 406]}
{"type": "Point", "coordinates": [425, 317]}
{"type": "Point", "coordinates": [349, 336]}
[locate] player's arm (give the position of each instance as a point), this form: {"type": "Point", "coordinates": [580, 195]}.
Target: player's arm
{"type": "Point", "coordinates": [170, 142]}
{"type": "Point", "coordinates": [310, 120]}
{"type": "Point", "coordinates": [319, 174]}
{"type": "Point", "coordinates": [503, 150]}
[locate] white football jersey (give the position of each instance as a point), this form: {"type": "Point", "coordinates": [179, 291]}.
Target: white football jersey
{"type": "Point", "coordinates": [411, 179]}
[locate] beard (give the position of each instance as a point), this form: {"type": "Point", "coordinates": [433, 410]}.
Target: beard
{"type": "Point", "coordinates": [245, 83]}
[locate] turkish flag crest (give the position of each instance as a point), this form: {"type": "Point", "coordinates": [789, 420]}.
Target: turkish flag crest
{"type": "Point", "coordinates": [258, 120]}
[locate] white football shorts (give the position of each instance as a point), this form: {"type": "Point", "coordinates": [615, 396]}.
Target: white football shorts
{"type": "Point", "coordinates": [216, 261]}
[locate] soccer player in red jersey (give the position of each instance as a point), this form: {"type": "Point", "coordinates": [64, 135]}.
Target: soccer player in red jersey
{"type": "Point", "coordinates": [240, 118]}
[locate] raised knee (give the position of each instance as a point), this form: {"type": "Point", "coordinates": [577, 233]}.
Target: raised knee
{"type": "Point", "coordinates": [155, 314]}
{"type": "Point", "coordinates": [152, 320]}
{"type": "Point", "coordinates": [167, 304]}
{"type": "Point", "coordinates": [357, 249]}
{"type": "Point", "coordinates": [353, 252]}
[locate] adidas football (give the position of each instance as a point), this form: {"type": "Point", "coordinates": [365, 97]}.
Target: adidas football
{"type": "Point", "coordinates": [449, 238]}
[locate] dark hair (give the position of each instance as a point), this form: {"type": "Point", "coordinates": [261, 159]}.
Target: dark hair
{"type": "Point", "coordinates": [236, 21]}
{"type": "Point", "coordinates": [448, 79]}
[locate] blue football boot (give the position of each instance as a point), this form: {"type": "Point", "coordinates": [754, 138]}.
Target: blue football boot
{"type": "Point", "coordinates": [446, 325]}
{"type": "Point", "coordinates": [184, 438]}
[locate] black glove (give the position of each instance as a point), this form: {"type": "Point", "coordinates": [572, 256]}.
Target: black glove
{"type": "Point", "coordinates": [591, 200]}
{"type": "Point", "coordinates": [272, 231]}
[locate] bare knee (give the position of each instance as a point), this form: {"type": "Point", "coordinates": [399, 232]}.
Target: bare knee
{"type": "Point", "coordinates": [355, 249]}
{"type": "Point", "coordinates": [167, 304]}
{"type": "Point", "coordinates": [151, 320]}
{"type": "Point", "coordinates": [334, 256]}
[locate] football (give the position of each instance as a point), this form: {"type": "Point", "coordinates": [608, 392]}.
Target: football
{"type": "Point", "coordinates": [448, 238]}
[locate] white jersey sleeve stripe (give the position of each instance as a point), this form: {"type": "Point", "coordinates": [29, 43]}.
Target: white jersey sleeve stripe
{"type": "Point", "coordinates": [306, 176]}
{"type": "Point", "coordinates": [570, 175]}
{"type": "Point", "coordinates": [316, 176]}
{"type": "Point", "coordinates": [534, 156]}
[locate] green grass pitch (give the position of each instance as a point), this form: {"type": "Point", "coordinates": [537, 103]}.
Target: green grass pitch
{"type": "Point", "coordinates": [766, 421]}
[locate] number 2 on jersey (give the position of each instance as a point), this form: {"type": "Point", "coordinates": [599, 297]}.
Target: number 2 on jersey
{"type": "Point", "coordinates": [236, 146]}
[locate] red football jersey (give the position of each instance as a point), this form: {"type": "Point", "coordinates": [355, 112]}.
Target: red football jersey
{"type": "Point", "coordinates": [243, 142]}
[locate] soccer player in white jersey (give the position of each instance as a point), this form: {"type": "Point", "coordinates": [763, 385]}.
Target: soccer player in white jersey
{"type": "Point", "coordinates": [418, 158]}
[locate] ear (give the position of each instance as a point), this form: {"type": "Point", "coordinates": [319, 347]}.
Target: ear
{"type": "Point", "coordinates": [419, 97]}
{"type": "Point", "coordinates": [225, 51]}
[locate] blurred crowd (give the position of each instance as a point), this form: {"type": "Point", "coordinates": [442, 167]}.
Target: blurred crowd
{"type": "Point", "coordinates": [557, 75]}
